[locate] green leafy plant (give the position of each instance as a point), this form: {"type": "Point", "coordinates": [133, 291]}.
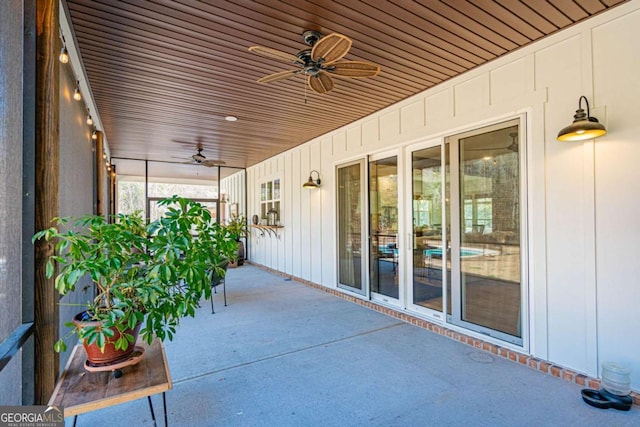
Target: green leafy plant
{"type": "Point", "coordinates": [237, 226]}
{"type": "Point", "coordinates": [153, 274]}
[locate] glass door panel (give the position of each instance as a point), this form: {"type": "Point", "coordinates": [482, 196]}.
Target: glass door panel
{"type": "Point", "coordinates": [383, 225]}
{"type": "Point", "coordinates": [486, 248]}
{"type": "Point", "coordinates": [350, 227]}
{"type": "Point", "coordinates": [429, 252]}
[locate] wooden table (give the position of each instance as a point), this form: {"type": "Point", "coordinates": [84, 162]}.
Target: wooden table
{"type": "Point", "coordinates": [79, 391]}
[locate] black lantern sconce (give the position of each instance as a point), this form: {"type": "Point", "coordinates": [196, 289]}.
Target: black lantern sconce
{"type": "Point", "coordinates": [311, 183]}
{"type": "Point", "coordinates": [583, 127]}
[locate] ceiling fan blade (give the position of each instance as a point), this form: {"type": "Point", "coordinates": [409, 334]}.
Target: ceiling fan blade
{"type": "Point", "coordinates": [274, 53]}
{"type": "Point", "coordinates": [211, 163]}
{"type": "Point", "coordinates": [331, 48]}
{"type": "Point", "coordinates": [278, 76]}
{"type": "Point", "coordinates": [354, 69]}
{"type": "Point", "coordinates": [322, 83]}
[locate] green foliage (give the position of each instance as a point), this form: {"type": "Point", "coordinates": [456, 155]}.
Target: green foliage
{"type": "Point", "coordinates": [237, 226]}
{"type": "Point", "coordinates": [158, 271]}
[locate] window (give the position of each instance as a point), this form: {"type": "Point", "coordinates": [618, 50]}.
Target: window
{"type": "Point", "coordinates": [270, 199]}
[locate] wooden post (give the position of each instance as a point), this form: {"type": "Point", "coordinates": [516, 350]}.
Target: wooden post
{"type": "Point", "coordinates": [47, 158]}
{"type": "Point", "coordinates": [100, 176]}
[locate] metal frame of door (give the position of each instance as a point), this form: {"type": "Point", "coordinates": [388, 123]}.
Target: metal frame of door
{"type": "Point", "coordinates": [400, 264]}
{"type": "Point", "coordinates": [455, 317]}
{"type": "Point", "coordinates": [410, 244]}
{"type": "Point", "coordinates": [364, 229]}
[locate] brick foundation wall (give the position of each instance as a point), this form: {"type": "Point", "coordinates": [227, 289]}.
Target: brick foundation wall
{"type": "Point", "coordinates": [523, 359]}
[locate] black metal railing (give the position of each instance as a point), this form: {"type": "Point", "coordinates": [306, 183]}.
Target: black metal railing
{"type": "Point", "coordinates": [10, 346]}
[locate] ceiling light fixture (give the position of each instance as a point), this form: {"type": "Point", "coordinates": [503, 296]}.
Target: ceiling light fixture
{"type": "Point", "coordinates": [583, 127]}
{"type": "Point", "coordinates": [231, 118]}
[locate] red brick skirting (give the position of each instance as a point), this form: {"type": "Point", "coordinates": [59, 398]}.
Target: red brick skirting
{"type": "Point", "coordinates": [523, 359]}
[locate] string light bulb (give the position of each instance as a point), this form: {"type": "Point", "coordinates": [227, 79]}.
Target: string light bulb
{"type": "Point", "coordinates": [94, 135]}
{"type": "Point", "coordinates": [89, 119]}
{"type": "Point", "coordinates": [64, 55]}
{"type": "Point", "coordinates": [77, 95]}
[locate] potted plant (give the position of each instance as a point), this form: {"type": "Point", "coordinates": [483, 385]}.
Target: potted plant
{"type": "Point", "coordinates": [237, 228]}
{"type": "Point", "coordinates": [146, 276]}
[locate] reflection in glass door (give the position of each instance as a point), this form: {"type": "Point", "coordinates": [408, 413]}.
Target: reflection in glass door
{"type": "Point", "coordinates": [383, 226]}
{"type": "Point", "coordinates": [485, 227]}
{"type": "Point", "coordinates": [429, 251]}
{"type": "Point", "coordinates": [351, 227]}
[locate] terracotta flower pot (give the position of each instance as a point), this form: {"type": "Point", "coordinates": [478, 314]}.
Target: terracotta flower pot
{"type": "Point", "coordinates": [110, 355]}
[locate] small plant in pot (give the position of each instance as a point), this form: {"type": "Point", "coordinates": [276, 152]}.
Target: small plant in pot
{"type": "Point", "coordinates": [237, 228]}
{"type": "Point", "coordinates": [146, 276]}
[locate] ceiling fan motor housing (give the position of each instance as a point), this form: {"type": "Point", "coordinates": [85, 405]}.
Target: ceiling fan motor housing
{"type": "Point", "coordinates": [310, 37]}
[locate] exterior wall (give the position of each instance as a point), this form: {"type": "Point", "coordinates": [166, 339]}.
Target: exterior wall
{"type": "Point", "coordinates": [234, 187]}
{"type": "Point", "coordinates": [75, 182]}
{"type": "Point", "coordinates": [583, 235]}
{"type": "Point", "coordinates": [11, 47]}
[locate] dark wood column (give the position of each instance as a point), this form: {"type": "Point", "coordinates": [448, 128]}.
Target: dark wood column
{"type": "Point", "coordinates": [101, 209]}
{"type": "Point", "coordinates": [47, 160]}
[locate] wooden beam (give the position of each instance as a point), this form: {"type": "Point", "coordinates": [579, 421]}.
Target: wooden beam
{"type": "Point", "coordinates": [100, 175]}
{"type": "Point", "coordinates": [46, 194]}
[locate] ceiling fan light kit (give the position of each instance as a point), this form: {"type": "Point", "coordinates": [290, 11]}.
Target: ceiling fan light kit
{"type": "Point", "coordinates": [319, 63]}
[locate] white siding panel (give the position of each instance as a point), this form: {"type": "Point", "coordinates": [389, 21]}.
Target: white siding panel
{"type": "Point", "coordinates": [354, 139]}
{"type": "Point", "coordinates": [286, 217]}
{"type": "Point", "coordinates": [472, 94]}
{"type": "Point", "coordinates": [327, 250]}
{"type": "Point", "coordinates": [370, 132]}
{"type": "Point", "coordinates": [412, 116]}
{"type": "Point", "coordinates": [618, 187]}
{"type": "Point", "coordinates": [509, 81]}
{"type": "Point", "coordinates": [438, 107]}
{"type": "Point", "coordinates": [315, 217]}
{"type": "Point", "coordinates": [390, 126]}
{"type": "Point", "coordinates": [339, 144]}
{"type": "Point", "coordinates": [296, 211]}
{"type": "Point", "coordinates": [565, 220]}
{"type": "Point", "coordinates": [305, 214]}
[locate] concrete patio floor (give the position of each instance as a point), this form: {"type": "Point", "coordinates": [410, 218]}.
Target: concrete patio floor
{"type": "Point", "coordinates": [285, 354]}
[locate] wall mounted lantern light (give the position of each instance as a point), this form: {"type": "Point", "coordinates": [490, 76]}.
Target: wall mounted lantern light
{"type": "Point", "coordinates": [583, 127]}
{"type": "Point", "coordinates": [311, 183]}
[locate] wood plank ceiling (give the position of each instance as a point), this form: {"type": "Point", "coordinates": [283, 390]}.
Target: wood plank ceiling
{"type": "Point", "coordinates": [165, 73]}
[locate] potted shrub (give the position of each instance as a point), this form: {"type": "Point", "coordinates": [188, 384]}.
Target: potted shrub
{"type": "Point", "coordinates": [146, 276]}
{"type": "Point", "coordinates": [237, 228]}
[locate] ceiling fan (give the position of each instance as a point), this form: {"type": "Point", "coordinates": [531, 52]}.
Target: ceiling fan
{"type": "Point", "coordinates": [200, 159]}
{"type": "Point", "coordinates": [513, 147]}
{"type": "Point", "coordinates": [319, 62]}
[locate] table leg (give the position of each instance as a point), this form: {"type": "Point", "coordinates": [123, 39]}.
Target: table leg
{"type": "Point", "coordinates": [164, 404]}
{"type": "Point", "coordinates": [75, 419]}
{"type": "Point", "coordinates": [153, 416]}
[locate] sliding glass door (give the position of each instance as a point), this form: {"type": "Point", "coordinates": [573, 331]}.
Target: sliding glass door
{"type": "Point", "coordinates": [467, 222]}
{"type": "Point", "coordinates": [486, 224]}
{"type": "Point", "coordinates": [351, 209]}
{"type": "Point", "coordinates": [384, 253]}
{"type": "Point", "coordinates": [430, 260]}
